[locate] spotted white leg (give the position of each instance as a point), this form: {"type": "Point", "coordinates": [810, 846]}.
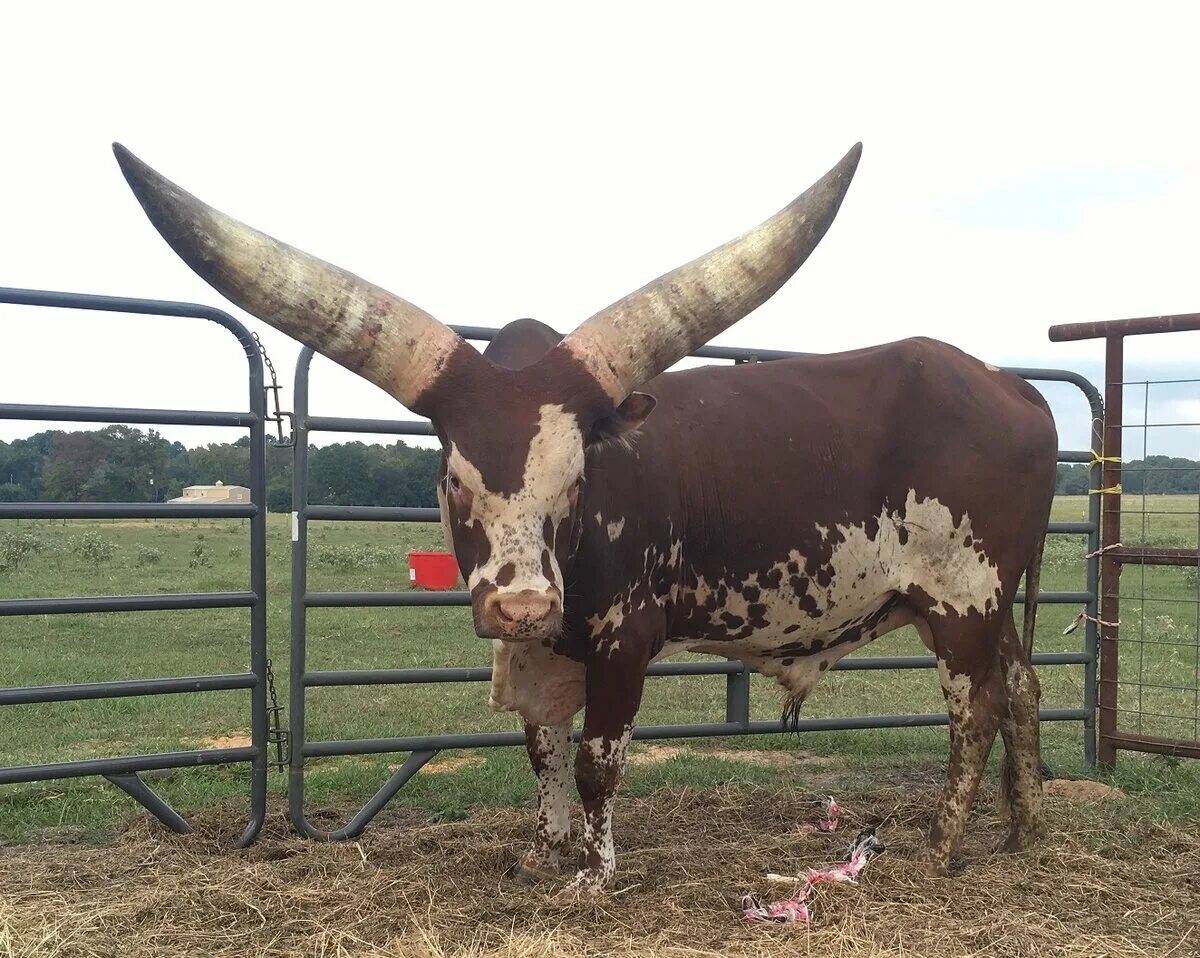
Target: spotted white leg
{"type": "Point", "coordinates": [614, 694]}
{"type": "Point", "coordinates": [974, 700]}
{"type": "Point", "coordinates": [599, 767]}
{"type": "Point", "coordinates": [549, 748]}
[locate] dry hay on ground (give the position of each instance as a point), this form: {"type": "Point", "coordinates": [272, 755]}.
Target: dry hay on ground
{"type": "Point", "coordinates": [774, 758]}
{"type": "Point", "coordinates": [1098, 886]}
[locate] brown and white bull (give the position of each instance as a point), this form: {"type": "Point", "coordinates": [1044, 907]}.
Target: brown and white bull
{"type": "Point", "coordinates": [783, 514]}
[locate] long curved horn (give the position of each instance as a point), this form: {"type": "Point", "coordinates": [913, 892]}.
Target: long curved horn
{"type": "Point", "coordinates": [383, 338]}
{"type": "Point", "coordinates": [637, 337]}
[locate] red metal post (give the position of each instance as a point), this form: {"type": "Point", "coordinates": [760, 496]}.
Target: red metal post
{"type": "Point", "coordinates": [1110, 564]}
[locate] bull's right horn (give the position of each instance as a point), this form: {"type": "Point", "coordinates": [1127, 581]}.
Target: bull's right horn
{"type": "Point", "coordinates": [383, 338]}
{"type": "Point", "coordinates": [637, 337]}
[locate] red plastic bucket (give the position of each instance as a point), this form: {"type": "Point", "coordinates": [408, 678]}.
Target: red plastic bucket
{"type": "Point", "coordinates": [432, 570]}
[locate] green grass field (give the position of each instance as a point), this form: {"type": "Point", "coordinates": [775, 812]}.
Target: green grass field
{"type": "Point", "coordinates": [114, 557]}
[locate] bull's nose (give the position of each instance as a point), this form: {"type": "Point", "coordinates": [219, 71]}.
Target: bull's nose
{"type": "Point", "coordinates": [527, 613]}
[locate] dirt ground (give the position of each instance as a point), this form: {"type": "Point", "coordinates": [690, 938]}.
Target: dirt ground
{"type": "Point", "coordinates": [1104, 882]}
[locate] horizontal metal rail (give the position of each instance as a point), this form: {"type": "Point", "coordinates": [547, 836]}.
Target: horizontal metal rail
{"type": "Point", "coordinates": [1177, 323]}
{"type": "Point", "coordinates": [127, 510]}
{"type": "Point", "coordinates": [120, 766]}
{"type": "Point", "coordinates": [382, 600]}
{"type": "Point", "coordinates": [374, 513]}
{"type": "Point", "coordinates": [433, 743]}
{"type": "Point", "coordinates": [334, 678]}
{"type": "Point", "coordinates": [166, 602]}
{"type": "Point", "coordinates": [385, 427]}
{"type": "Point", "coordinates": [117, 414]}
{"type": "Point", "coordinates": [124, 688]}
{"type": "Point", "coordinates": [417, 514]}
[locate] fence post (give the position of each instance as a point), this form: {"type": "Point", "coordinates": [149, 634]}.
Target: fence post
{"type": "Point", "coordinates": [1110, 587]}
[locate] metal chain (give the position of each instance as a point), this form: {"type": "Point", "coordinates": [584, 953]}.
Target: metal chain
{"type": "Point", "coordinates": [272, 390]}
{"type": "Point", "coordinates": [266, 360]}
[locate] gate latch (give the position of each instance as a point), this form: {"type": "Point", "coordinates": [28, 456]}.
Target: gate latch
{"type": "Point", "coordinates": [277, 735]}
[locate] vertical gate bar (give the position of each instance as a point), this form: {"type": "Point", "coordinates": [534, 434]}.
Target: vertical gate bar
{"type": "Point", "coordinates": [1091, 634]}
{"type": "Point", "coordinates": [299, 608]}
{"type": "Point", "coordinates": [1110, 603]}
{"type": "Point", "coordinates": [258, 611]}
{"type": "Point", "coordinates": [737, 697]}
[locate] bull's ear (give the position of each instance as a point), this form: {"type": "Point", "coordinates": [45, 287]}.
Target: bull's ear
{"type": "Point", "coordinates": [625, 420]}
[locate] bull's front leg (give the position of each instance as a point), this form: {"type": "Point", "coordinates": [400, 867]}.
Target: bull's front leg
{"type": "Point", "coordinates": [615, 677]}
{"type": "Point", "coordinates": [549, 748]}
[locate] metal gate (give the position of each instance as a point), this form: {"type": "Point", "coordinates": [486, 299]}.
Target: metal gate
{"type": "Point", "coordinates": [123, 771]}
{"type": "Point", "coordinates": [1149, 698]}
{"type": "Point", "coordinates": [422, 748]}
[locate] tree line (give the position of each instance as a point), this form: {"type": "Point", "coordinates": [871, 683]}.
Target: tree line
{"type": "Point", "coordinates": [125, 464]}
{"type": "Point", "coordinates": [1154, 475]}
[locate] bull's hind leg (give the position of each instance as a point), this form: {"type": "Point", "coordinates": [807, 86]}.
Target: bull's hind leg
{"type": "Point", "coordinates": [549, 748]}
{"type": "Point", "coordinates": [1021, 783]}
{"type": "Point", "coordinates": [968, 667]}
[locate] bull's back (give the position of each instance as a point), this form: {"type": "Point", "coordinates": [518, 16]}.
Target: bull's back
{"type": "Point", "coordinates": [754, 458]}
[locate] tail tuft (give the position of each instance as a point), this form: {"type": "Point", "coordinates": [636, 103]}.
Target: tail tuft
{"type": "Point", "coordinates": [1033, 575]}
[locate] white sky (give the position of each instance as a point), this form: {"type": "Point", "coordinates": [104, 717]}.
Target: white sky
{"type": "Point", "coordinates": [1024, 165]}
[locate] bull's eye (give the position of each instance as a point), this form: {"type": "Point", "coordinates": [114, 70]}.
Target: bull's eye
{"type": "Point", "coordinates": [452, 482]}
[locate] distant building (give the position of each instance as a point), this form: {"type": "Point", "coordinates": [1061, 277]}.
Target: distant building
{"type": "Point", "coordinates": [201, 495]}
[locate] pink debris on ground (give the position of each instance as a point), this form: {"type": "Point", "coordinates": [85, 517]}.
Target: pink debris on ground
{"type": "Point", "coordinates": [831, 814]}
{"type": "Point", "coordinates": [796, 909]}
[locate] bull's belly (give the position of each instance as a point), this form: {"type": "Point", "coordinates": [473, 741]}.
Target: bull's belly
{"type": "Point", "coordinates": [798, 649]}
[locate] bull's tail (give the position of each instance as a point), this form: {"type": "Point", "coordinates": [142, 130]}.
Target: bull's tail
{"type": "Point", "coordinates": [1033, 575]}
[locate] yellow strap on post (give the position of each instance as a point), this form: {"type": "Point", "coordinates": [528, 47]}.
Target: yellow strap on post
{"type": "Point", "coordinates": [1096, 460]}
{"type": "Point", "coordinates": [1114, 490]}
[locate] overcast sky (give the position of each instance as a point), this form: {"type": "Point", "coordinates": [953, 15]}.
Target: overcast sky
{"type": "Point", "coordinates": [1024, 165]}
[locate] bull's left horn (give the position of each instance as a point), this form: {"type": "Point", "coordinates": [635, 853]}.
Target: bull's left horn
{"type": "Point", "coordinates": [637, 337]}
{"type": "Point", "coordinates": [383, 338]}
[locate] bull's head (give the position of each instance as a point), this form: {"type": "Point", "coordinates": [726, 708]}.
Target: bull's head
{"type": "Point", "coordinates": [514, 440]}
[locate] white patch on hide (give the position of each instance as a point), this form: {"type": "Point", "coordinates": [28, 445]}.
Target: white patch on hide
{"type": "Point", "coordinates": [615, 529]}
{"type": "Point", "coordinates": [862, 572]}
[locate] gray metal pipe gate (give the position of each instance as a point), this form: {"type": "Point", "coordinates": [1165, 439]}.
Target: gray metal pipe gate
{"type": "Point", "coordinates": [123, 771]}
{"type": "Point", "coordinates": [422, 748]}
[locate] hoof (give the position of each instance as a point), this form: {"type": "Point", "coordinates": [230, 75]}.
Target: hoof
{"type": "Point", "coordinates": [1017, 840]}
{"type": "Point", "coordinates": [583, 887]}
{"type": "Point", "coordinates": [934, 863]}
{"type": "Point", "coordinates": [535, 868]}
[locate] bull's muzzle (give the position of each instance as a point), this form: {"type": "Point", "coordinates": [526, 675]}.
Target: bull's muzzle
{"type": "Point", "coordinates": [523, 615]}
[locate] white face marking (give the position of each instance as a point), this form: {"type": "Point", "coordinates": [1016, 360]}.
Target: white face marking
{"type": "Point", "coordinates": [615, 529]}
{"type": "Point", "coordinates": [513, 523]}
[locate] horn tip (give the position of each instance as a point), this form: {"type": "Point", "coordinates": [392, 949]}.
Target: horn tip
{"type": "Point", "coordinates": [853, 155]}
{"type": "Point", "coordinates": [134, 169]}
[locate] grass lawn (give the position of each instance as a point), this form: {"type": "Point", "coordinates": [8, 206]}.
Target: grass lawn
{"type": "Point", "coordinates": [114, 557]}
